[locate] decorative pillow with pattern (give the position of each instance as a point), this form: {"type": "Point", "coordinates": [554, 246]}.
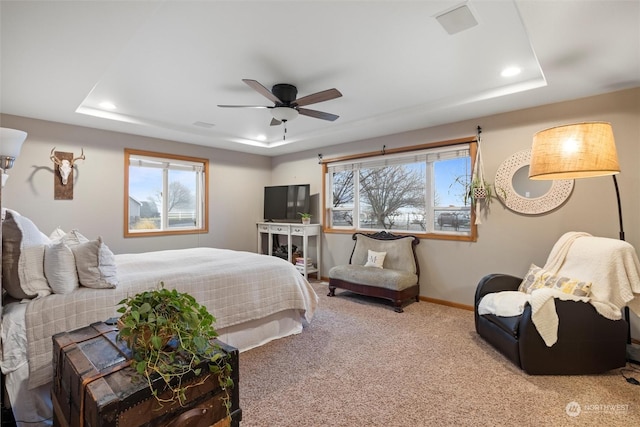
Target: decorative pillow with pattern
{"type": "Point", "coordinates": [375, 259]}
{"type": "Point", "coordinates": [538, 277]}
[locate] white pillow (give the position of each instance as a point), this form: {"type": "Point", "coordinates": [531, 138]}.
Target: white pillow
{"type": "Point", "coordinates": [73, 238]}
{"type": "Point", "coordinates": [96, 264]}
{"type": "Point", "coordinates": [23, 257]}
{"type": "Point", "coordinates": [505, 303]}
{"type": "Point", "coordinates": [375, 259]}
{"type": "Point", "coordinates": [60, 267]}
{"type": "Point", "coordinates": [57, 234]}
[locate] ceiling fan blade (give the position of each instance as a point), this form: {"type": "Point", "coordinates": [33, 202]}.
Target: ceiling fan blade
{"type": "Point", "coordinates": [314, 98]}
{"type": "Point", "coordinates": [317, 114]}
{"type": "Point", "coordinates": [243, 106]}
{"type": "Point", "coordinates": [262, 90]}
{"type": "Point", "coordinates": [275, 122]}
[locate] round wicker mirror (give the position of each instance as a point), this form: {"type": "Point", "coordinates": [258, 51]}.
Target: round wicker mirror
{"type": "Point", "coordinates": [520, 194]}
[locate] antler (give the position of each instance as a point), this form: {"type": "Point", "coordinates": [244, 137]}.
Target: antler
{"type": "Point", "coordinates": [81, 157]}
{"type": "Point", "coordinates": [55, 159]}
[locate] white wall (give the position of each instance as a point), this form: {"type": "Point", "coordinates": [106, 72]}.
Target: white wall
{"type": "Point", "coordinates": [236, 183]}
{"type": "Point", "coordinates": [508, 242]}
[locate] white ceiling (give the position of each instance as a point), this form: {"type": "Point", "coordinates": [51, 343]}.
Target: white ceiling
{"type": "Point", "coordinates": [166, 65]}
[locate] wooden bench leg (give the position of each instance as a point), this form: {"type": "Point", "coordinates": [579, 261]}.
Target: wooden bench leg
{"type": "Point", "coordinates": [397, 306]}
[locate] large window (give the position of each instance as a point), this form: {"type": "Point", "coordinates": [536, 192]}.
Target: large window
{"type": "Point", "coordinates": [422, 191]}
{"type": "Point", "coordinates": [164, 194]}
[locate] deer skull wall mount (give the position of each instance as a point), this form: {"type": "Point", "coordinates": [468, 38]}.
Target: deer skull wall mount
{"type": "Point", "coordinates": [63, 166]}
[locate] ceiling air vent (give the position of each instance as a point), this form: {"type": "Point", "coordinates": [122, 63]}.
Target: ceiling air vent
{"type": "Point", "coordinates": [458, 19]}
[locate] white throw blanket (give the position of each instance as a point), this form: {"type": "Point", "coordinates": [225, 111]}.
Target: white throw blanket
{"type": "Point", "coordinates": [545, 318]}
{"type": "Point", "coordinates": [560, 250]}
{"type": "Point", "coordinates": [611, 265]}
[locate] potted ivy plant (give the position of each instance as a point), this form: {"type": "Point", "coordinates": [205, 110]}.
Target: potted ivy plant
{"type": "Point", "coordinates": [170, 336]}
{"type": "Point", "coordinates": [306, 217]}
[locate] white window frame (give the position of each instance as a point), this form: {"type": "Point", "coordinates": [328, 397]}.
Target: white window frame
{"type": "Point", "coordinates": [168, 162]}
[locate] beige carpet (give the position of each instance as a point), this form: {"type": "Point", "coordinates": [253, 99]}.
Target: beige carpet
{"type": "Point", "coordinates": [361, 364]}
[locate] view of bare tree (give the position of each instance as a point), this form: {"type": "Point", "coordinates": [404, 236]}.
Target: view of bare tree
{"type": "Point", "coordinates": [461, 185]}
{"type": "Point", "coordinates": [387, 190]}
{"type": "Point", "coordinates": [179, 195]}
{"type": "Point", "coordinates": [342, 188]}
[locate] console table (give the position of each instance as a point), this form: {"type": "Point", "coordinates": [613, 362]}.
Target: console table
{"type": "Point", "coordinates": [302, 231]}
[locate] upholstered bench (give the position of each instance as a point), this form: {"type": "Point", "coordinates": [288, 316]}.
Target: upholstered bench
{"type": "Point", "coordinates": [382, 265]}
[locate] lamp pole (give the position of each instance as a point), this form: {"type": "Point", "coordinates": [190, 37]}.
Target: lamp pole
{"type": "Point", "coordinates": [615, 183]}
{"type": "Point", "coordinates": [627, 313]}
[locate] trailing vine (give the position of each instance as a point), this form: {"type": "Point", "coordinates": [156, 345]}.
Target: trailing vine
{"type": "Point", "coordinates": [170, 336]}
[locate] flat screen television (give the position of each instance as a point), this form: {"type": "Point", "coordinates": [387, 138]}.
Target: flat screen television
{"type": "Point", "coordinates": [284, 202]}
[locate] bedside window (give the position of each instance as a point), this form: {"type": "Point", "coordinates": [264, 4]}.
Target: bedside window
{"type": "Point", "coordinates": [164, 194]}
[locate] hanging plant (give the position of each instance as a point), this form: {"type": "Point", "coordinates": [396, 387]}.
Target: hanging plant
{"type": "Point", "coordinates": [481, 192]}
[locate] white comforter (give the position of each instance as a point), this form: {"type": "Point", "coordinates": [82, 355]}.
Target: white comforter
{"type": "Point", "coordinates": [234, 286]}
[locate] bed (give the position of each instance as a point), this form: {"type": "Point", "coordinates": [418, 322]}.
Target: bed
{"type": "Point", "coordinates": [255, 299]}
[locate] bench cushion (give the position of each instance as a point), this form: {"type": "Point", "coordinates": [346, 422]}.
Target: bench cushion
{"type": "Point", "coordinates": [386, 278]}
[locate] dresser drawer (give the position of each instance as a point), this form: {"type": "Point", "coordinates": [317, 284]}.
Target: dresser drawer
{"type": "Point", "coordinates": [297, 230]}
{"type": "Point", "coordinates": [305, 230]}
{"type": "Point", "coordinates": [279, 229]}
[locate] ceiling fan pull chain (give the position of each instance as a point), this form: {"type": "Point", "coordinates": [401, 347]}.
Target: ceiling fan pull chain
{"type": "Point", "coordinates": [284, 135]}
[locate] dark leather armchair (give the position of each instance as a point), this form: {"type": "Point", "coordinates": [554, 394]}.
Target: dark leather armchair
{"type": "Point", "coordinates": [588, 343]}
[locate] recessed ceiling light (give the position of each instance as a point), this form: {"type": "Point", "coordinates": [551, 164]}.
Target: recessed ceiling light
{"type": "Point", "coordinates": [261, 137]}
{"type": "Point", "coordinates": [107, 105]}
{"type": "Point", "coordinates": [510, 71]}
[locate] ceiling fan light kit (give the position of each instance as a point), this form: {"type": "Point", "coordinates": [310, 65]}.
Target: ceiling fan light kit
{"type": "Point", "coordinates": [284, 114]}
{"type": "Point", "coordinates": [286, 104]}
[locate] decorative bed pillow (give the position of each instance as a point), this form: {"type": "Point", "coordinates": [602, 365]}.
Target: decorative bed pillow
{"type": "Point", "coordinates": [23, 257]}
{"type": "Point", "coordinates": [375, 259]}
{"type": "Point", "coordinates": [538, 278]}
{"type": "Point", "coordinates": [57, 234]}
{"type": "Point", "coordinates": [59, 261]}
{"type": "Point", "coordinates": [96, 264]}
{"type": "Point", "coordinates": [60, 267]}
{"type": "Point", "coordinates": [73, 238]}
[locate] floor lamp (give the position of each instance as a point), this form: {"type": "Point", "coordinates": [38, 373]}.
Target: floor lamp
{"type": "Point", "coordinates": [580, 150]}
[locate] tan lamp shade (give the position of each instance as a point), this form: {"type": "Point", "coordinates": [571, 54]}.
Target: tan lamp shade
{"type": "Point", "coordinates": [578, 150]}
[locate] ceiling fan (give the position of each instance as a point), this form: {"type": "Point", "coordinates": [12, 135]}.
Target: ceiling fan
{"type": "Point", "coordinates": [286, 107]}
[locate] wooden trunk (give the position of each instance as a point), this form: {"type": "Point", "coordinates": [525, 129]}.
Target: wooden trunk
{"type": "Point", "coordinates": [94, 386]}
